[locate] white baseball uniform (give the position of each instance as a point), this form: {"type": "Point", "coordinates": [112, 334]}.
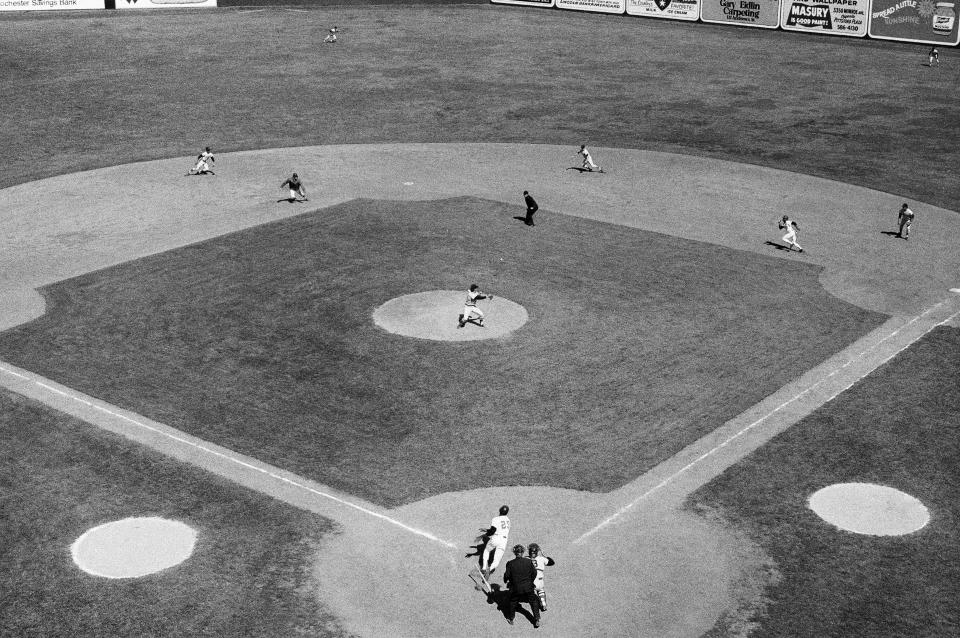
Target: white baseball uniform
{"type": "Point", "coordinates": [497, 544]}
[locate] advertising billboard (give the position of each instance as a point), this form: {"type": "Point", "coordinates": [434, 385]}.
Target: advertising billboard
{"type": "Point", "coordinates": [672, 9]}
{"type": "Point", "coordinates": [764, 14]}
{"type": "Point", "coordinates": [50, 5]}
{"type": "Point", "coordinates": [164, 4]}
{"type": "Point", "coordinates": [598, 6]}
{"type": "Point", "coordinates": [526, 3]}
{"type": "Point", "coordinates": [923, 21]}
{"type": "Point", "coordinates": [834, 17]}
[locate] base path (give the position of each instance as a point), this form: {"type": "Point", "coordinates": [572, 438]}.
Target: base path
{"type": "Point", "coordinates": [630, 562]}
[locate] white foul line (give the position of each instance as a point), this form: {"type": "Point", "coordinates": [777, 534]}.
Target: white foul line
{"type": "Point", "coordinates": [623, 510]}
{"type": "Point", "coordinates": [228, 457]}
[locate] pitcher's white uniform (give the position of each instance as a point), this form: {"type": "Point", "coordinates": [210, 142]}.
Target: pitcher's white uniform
{"type": "Point", "coordinates": [470, 305]}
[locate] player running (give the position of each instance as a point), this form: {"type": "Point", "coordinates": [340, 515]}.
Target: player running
{"type": "Point", "coordinates": [790, 238]}
{"type": "Point", "coordinates": [588, 163]}
{"type": "Point", "coordinates": [496, 542]}
{"type": "Point", "coordinates": [204, 160]}
{"type": "Point", "coordinates": [470, 309]}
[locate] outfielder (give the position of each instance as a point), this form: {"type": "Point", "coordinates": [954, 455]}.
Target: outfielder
{"type": "Point", "coordinates": [496, 542]}
{"type": "Point", "coordinates": [791, 237]}
{"type": "Point", "coordinates": [333, 35]}
{"type": "Point", "coordinates": [905, 219]}
{"type": "Point", "coordinates": [541, 562]}
{"type": "Point", "coordinates": [204, 160]}
{"type": "Point", "coordinates": [587, 160]}
{"type": "Point", "coordinates": [470, 309]}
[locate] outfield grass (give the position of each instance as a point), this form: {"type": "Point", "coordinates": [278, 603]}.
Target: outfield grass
{"type": "Point", "coordinates": [263, 341]}
{"type": "Point", "coordinates": [897, 427]}
{"type": "Point", "coordinates": [249, 574]}
{"type": "Point", "coordinates": [101, 89]}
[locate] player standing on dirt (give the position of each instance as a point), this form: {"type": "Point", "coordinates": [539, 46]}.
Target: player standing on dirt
{"type": "Point", "coordinates": [204, 160]}
{"type": "Point", "coordinates": [297, 189]}
{"type": "Point", "coordinates": [496, 541]}
{"type": "Point", "coordinates": [541, 562]}
{"type": "Point", "coordinates": [791, 227]}
{"type": "Point", "coordinates": [470, 310]}
{"type": "Point", "coordinates": [587, 159]}
{"type": "Point", "coordinates": [905, 220]}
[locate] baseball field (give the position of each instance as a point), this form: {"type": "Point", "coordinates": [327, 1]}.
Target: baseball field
{"type": "Point", "coordinates": [676, 388]}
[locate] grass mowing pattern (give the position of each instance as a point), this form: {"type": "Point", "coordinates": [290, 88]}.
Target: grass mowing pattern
{"type": "Point", "coordinates": [897, 427]}
{"type": "Point", "coordinates": [248, 576]}
{"type": "Point", "coordinates": [263, 341]}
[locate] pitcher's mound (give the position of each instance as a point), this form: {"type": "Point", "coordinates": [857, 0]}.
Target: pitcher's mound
{"type": "Point", "coordinates": [866, 508]}
{"type": "Point", "coordinates": [433, 315]}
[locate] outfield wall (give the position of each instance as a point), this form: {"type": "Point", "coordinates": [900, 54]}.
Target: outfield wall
{"type": "Point", "coordinates": [931, 22]}
{"type": "Point", "coordinates": [69, 5]}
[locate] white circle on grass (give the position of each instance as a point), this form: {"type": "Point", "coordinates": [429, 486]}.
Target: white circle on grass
{"type": "Point", "coordinates": [133, 547]}
{"type": "Point", "coordinates": [433, 315]}
{"type": "Point", "coordinates": [866, 508]}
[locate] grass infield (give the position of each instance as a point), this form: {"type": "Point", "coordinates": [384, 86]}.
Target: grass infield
{"type": "Point", "coordinates": [263, 341]}
{"type": "Point", "coordinates": [249, 574]}
{"type": "Point", "coordinates": [897, 427]}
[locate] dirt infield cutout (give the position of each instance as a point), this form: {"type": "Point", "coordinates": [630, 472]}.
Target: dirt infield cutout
{"type": "Point", "coordinates": [433, 315]}
{"type": "Point", "coordinates": [866, 508]}
{"type": "Point", "coordinates": [133, 547]}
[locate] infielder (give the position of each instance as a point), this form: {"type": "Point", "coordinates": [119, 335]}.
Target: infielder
{"type": "Point", "coordinates": [587, 160]}
{"type": "Point", "coordinates": [297, 189]}
{"type": "Point", "coordinates": [541, 562]}
{"type": "Point", "coordinates": [204, 160]}
{"type": "Point", "coordinates": [496, 542]}
{"type": "Point", "coordinates": [470, 309]}
{"type": "Point", "coordinates": [905, 219]}
{"type": "Point", "coordinates": [791, 237]}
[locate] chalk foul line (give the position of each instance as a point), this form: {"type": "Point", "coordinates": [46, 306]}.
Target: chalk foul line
{"type": "Point", "coordinates": [733, 437]}
{"type": "Point", "coordinates": [232, 458]}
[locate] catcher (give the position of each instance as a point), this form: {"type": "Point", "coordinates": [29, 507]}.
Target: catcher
{"type": "Point", "coordinates": [470, 310]}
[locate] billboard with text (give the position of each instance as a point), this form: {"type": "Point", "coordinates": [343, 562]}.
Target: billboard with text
{"type": "Point", "coordinates": [745, 13]}
{"type": "Point", "coordinates": [526, 3]}
{"type": "Point", "coordinates": [50, 5]}
{"type": "Point", "coordinates": [672, 9]}
{"type": "Point", "coordinates": [164, 4]}
{"type": "Point", "coordinates": [923, 21]}
{"type": "Point", "coordinates": [833, 17]}
{"type": "Point", "coordinates": [598, 6]}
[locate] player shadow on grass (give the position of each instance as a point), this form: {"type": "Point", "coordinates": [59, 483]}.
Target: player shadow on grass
{"type": "Point", "coordinates": [523, 219]}
{"type": "Point", "coordinates": [582, 169]}
{"type": "Point", "coordinates": [291, 201]}
{"type": "Point", "coordinates": [890, 233]}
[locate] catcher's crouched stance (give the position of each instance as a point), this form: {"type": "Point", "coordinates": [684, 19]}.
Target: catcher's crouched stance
{"type": "Point", "coordinates": [470, 310]}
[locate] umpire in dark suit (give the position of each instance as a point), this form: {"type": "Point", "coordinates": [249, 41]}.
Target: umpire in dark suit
{"type": "Point", "coordinates": [519, 577]}
{"type": "Point", "coordinates": [531, 208]}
